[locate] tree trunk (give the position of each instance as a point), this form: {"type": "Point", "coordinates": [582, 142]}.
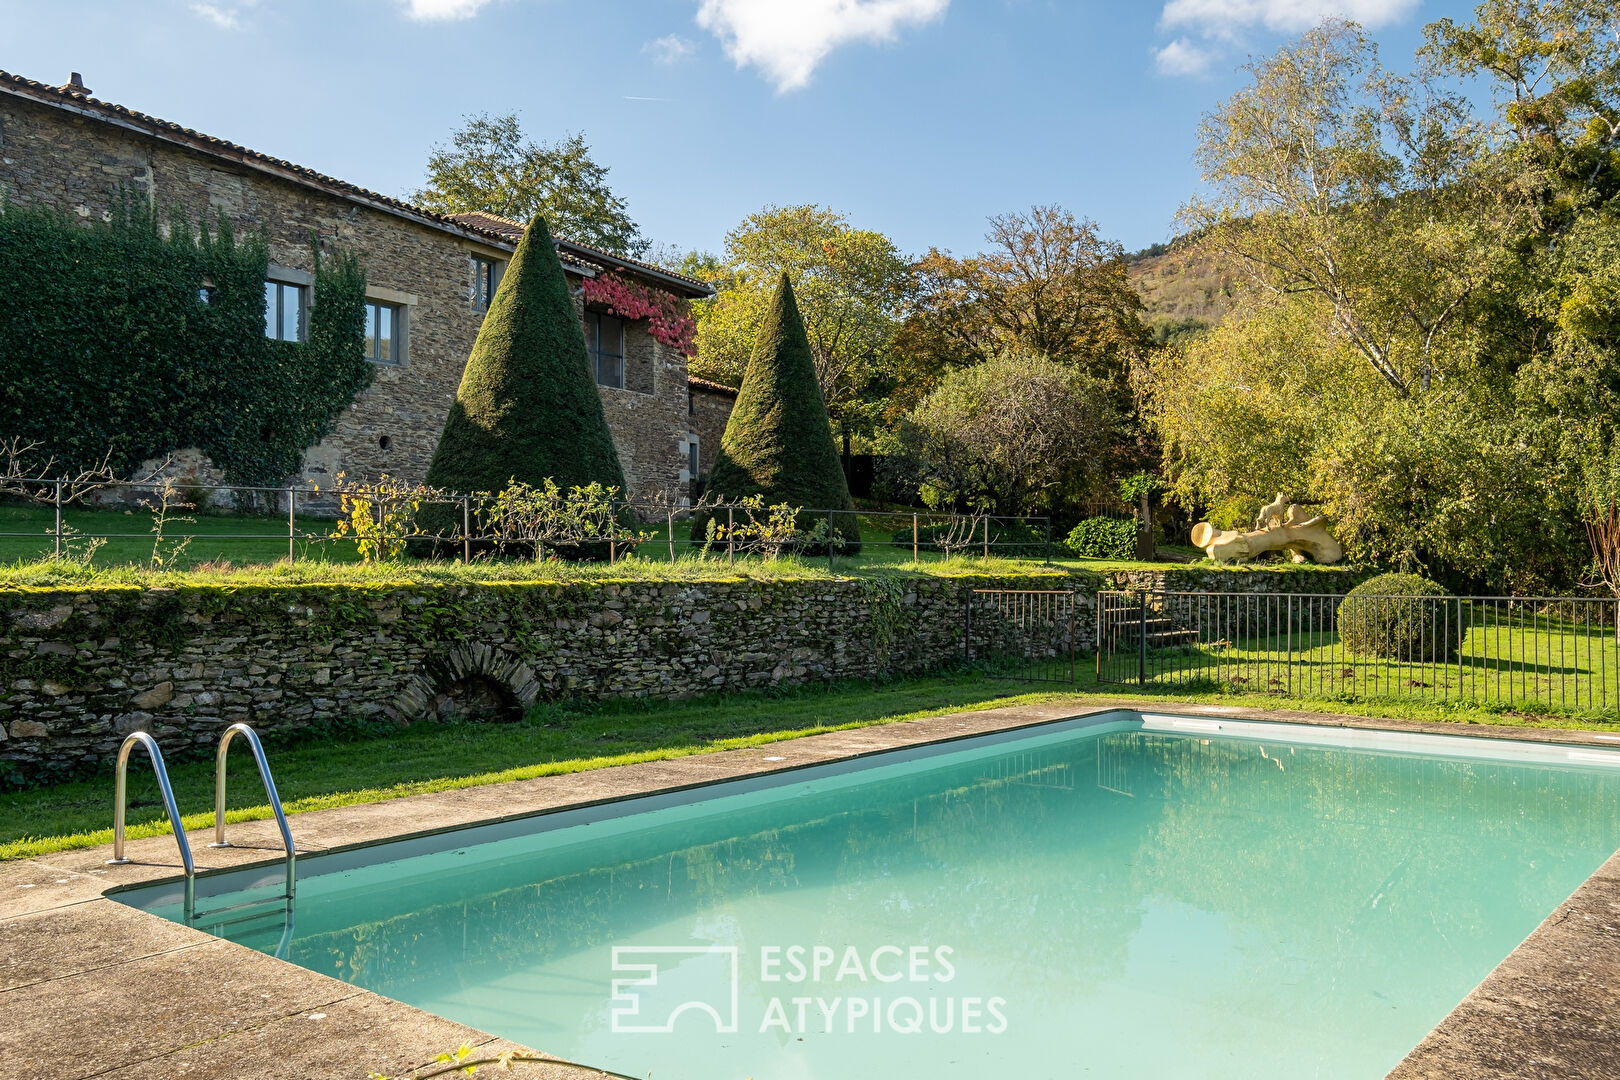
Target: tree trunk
{"type": "Point", "coordinates": [1145, 551]}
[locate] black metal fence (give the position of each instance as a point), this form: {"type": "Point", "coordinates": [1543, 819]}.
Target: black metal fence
{"type": "Point", "coordinates": [1560, 652]}
{"type": "Point", "coordinates": [1031, 635]}
{"type": "Point", "coordinates": [130, 521]}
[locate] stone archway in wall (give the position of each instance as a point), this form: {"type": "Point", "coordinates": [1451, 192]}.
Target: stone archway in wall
{"type": "Point", "coordinates": [471, 681]}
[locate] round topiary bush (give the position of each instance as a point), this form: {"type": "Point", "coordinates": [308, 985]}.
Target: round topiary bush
{"type": "Point", "coordinates": [1393, 617]}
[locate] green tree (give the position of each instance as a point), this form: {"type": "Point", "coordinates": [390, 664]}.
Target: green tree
{"type": "Point", "coordinates": [1317, 167]}
{"type": "Point", "coordinates": [1401, 358]}
{"type": "Point", "coordinates": [1009, 436]}
{"type": "Point", "coordinates": [778, 443]}
{"type": "Point", "coordinates": [527, 408]}
{"type": "Point", "coordinates": [851, 284]}
{"type": "Point", "coordinates": [490, 166]}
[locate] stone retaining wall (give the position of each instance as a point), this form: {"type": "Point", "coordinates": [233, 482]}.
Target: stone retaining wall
{"type": "Point", "coordinates": [81, 669]}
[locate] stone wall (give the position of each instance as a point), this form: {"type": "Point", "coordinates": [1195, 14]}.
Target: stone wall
{"type": "Point", "coordinates": [77, 163]}
{"type": "Point", "coordinates": [80, 669]}
{"type": "Point", "coordinates": [711, 406]}
{"type": "Point", "coordinates": [648, 417]}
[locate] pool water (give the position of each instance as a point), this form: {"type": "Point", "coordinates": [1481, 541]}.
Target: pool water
{"type": "Point", "coordinates": [1117, 899]}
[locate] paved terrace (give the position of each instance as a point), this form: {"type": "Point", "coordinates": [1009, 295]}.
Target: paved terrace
{"type": "Point", "coordinates": [92, 988]}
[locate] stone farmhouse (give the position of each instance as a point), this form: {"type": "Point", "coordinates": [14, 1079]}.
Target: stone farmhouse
{"type": "Point", "coordinates": [429, 280]}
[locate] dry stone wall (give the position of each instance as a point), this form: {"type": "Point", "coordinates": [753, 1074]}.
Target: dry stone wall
{"type": "Point", "coordinates": [80, 669]}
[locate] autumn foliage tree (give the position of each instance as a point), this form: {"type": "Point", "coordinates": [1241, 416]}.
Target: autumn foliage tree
{"type": "Point", "coordinates": [1046, 285]}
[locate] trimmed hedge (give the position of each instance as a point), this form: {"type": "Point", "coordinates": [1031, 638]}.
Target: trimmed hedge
{"type": "Point", "coordinates": [778, 443]}
{"type": "Point", "coordinates": [527, 408]}
{"type": "Point", "coordinates": [1391, 617]}
{"type": "Point", "coordinates": [116, 337]}
{"type": "Point", "coordinates": [1103, 538]}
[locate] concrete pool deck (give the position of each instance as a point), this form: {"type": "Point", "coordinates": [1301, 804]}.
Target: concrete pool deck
{"type": "Point", "coordinates": [92, 988]}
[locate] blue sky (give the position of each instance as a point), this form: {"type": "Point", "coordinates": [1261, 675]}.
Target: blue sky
{"type": "Point", "coordinates": [919, 118]}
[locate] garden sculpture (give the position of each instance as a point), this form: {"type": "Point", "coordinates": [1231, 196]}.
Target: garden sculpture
{"type": "Point", "coordinates": [1276, 529]}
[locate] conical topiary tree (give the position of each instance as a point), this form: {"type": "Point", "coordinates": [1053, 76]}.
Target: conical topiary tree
{"type": "Point", "coordinates": [527, 408]}
{"type": "Point", "coordinates": [778, 443]}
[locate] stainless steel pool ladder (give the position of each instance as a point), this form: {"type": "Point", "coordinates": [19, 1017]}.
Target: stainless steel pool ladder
{"type": "Point", "coordinates": [141, 738]}
{"type": "Point", "coordinates": [269, 791]}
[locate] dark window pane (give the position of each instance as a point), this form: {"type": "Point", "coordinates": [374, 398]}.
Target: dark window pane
{"type": "Point", "coordinates": [612, 336]}
{"type": "Point", "coordinates": [371, 331]}
{"type": "Point", "coordinates": [271, 318]}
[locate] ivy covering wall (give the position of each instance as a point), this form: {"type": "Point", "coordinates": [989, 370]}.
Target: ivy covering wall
{"type": "Point", "coordinates": [125, 337]}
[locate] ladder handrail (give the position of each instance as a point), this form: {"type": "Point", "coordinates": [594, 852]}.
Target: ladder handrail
{"type": "Point", "coordinates": [269, 790]}
{"type": "Point", "coordinates": [121, 787]}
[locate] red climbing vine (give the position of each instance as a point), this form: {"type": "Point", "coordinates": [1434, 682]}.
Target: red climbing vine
{"type": "Point", "coordinates": [669, 319]}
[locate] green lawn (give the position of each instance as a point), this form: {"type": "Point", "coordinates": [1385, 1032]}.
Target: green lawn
{"type": "Point", "coordinates": [1539, 659]}
{"type": "Point", "coordinates": [238, 544]}
{"type": "Point", "coordinates": [342, 769]}
{"type": "Point", "coordinates": [27, 534]}
{"type": "Point", "coordinates": [390, 762]}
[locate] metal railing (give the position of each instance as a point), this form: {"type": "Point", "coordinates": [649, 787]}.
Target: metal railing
{"type": "Point", "coordinates": [166, 789]}
{"type": "Point", "coordinates": [1554, 652]}
{"type": "Point", "coordinates": [120, 793]}
{"type": "Point", "coordinates": [265, 524]}
{"type": "Point", "coordinates": [269, 790]}
{"type": "Point", "coordinates": [1030, 635]}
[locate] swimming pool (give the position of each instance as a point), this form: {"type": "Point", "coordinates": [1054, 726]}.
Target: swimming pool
{"type": "Point", "coordinates": [1127, 895]}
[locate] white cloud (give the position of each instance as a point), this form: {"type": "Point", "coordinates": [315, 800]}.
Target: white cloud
{"type": "Point", "coordinates": [786, 39]}
{"type": "Point", "coordinates": [1226, 18]}
{"type": "Point", "coordinates": [225, 14]}
{"type": "Point", "coordinates": [1182, 57]}
{"type": "Point", "coordinates": [1206, 25]}
{"type": "Point", "coordinates": [669, 48]}
{"type": "Point", "coordinates": [442, 10]}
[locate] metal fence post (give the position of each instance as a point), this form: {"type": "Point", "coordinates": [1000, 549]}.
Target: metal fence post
{"type": "Point", "coordinates": [671, 520]}
{"type": "Point", "coordinates": [967, 626]}
{"type": "Point", "coordinates": [292, 525]}
{"type": "Point", "coordinates": [731, 545]}
{"type": "Point", "coordinates": [913, 539]}
{"type": "Point", "coordinates": [830, 539]}
{"type": "Point", "coordinates": [1141, 638]}
{"type": "Point", "coordinates": [987, 536]}
{"type": "Point", "coordinates": [59, 520]}
{"type": "Point", "coordinates": [466, 529]}
{"type": "Point", "coordinates": [1048, 559]}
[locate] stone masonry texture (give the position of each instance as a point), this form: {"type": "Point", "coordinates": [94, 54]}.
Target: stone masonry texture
{"type": "Point", "coordinates": [78, 163]}
{"type": "Point", "coordinates": [81, 668]}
